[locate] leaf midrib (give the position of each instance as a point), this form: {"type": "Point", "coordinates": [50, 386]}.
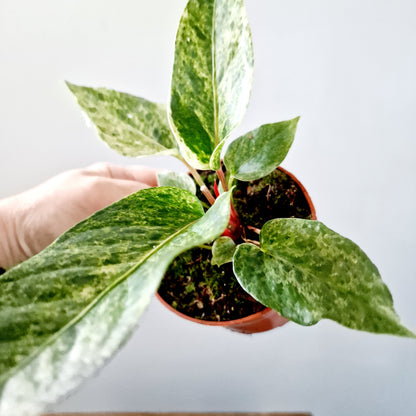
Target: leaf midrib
{"type": "Point", "coordinates": [214, 76]}
{"type": "Point", "coordinates": [6, 376]}
{"type": "Point", "coordinates": [135, 131]}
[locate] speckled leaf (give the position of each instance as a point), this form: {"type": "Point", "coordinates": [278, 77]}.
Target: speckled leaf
{"type": "Point", "coordinates": [177, 180]}
{"type": "Point", "coordinates": [261, 151]}
{"type": "Point", "coordinates": [223, 250]}
{"type": "Point", "coordinates": [130, 125]}
{"type": "Point", "coordinates": [64, 312]}
{"type": "Point", "coordinates": [212, 76]}
{"type": "Point", "coordinates": [215, 161]}
{"type": "Point", "coordinates": [308, 272]}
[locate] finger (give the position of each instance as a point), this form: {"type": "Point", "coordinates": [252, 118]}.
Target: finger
{"type": "Point", "coordinates": [117, 189]}
{"type": "Point", "coordinates": [137, 173]}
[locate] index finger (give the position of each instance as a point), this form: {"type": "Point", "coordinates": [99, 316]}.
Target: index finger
{"type": "Point", "coordinates": [137, 173]}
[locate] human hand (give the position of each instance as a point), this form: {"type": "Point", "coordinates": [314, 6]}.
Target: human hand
{"type": "Point", "coordinates": [32, 220]}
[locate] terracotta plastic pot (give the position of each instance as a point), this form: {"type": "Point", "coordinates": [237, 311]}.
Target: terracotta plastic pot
{"type": "Point", "coordinates": [264, 320]}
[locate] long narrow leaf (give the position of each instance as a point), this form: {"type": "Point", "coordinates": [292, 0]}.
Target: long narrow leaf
{"type": "Point", "coordinates": [212, 76]}
{"type": "Point", "coordinates": [64, 312]}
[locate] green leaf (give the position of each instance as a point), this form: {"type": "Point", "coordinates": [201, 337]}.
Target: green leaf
{"type": "Point", "coordinates": [215, 161]}
{"type": "Point", "coordinates": [261, 151]}
{"type": "Point", "coordinates": [177, 180]}
{"type": "Point", "coordinates": [212, 76]}
{"type": "Point", "coordinates": [223, 250]}
{"type": "Point", "coordinates": [130, 125]}
{"type": "Point", "coordinates": [308, 272]}
{"type": "Point", "coordinates": [66, 311]}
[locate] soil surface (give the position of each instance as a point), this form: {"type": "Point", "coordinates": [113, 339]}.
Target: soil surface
{"type": "Point", "coordinates": [195, 287]}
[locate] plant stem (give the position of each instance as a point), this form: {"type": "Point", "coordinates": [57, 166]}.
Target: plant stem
{"type": "Point", "coordinates": [221, 175]}
{"type": "Point", "coordinates": [200, 182]}
{"type": "Point", "coordinates": [256, 243]}
{"type": "Point", "coordinates": [206, 246]}
{"type": "Point", "coordinates": [254, 229]}
{"type": "Point", "coordinates": [207, 194]}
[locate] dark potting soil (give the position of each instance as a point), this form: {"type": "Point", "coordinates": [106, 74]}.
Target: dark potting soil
{"type": "Point", "coordinates": [195, 287]}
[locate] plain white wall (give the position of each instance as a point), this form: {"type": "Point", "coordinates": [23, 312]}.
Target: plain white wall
{"type": "Point", "coordinates": [348, 68]}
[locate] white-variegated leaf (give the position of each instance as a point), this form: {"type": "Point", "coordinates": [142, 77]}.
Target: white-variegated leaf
{"type": "Point", "coordinates": [307, 272]}
{"type": "Point", "coordinates": [66, 311]}
{"type": "Point", "coordinates": [132, 126]}
{"type": "Point", "coordinates": [212, 76]}
{"type": "Point", "coordinates": [261, 151]}
{"type": "Point", "coordinates": [177, 180]}
{"type": "Point", "coordinates": [223, 250]}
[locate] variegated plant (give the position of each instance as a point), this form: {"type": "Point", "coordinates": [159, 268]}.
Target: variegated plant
{"type": "Point", "coordinates": [64, 312]}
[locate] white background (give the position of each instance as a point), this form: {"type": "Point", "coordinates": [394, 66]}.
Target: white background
{"type": "Point", "coordinates": [348, 68]}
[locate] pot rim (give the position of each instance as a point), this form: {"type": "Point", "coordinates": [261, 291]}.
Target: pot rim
{"type": "Point", "coordinates": [232, 322]}
{"type": "Point", "coordinates": [258, 315]}
{"type": "Point", "coordinates": [304, 191]}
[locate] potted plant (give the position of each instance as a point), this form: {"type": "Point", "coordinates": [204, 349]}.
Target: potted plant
{"type": "Point", "coordinates": [66, 311]}
{"type": "Point", "coordinates": [200, 285]}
